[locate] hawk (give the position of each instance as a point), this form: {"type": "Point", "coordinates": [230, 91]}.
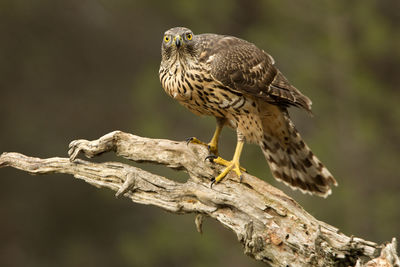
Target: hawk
{"type": "Point", "coordinates": [238, 83]}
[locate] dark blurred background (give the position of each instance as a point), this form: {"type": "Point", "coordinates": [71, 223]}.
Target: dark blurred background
{"type": "Point", "coordinates": [77, 69]}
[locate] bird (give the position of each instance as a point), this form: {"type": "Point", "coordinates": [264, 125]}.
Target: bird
{"type": "Point", "coordinates": [238, 83]}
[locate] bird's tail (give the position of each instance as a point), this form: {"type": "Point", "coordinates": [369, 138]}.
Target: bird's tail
{"type": "Point", "coordinates": [290, 159]}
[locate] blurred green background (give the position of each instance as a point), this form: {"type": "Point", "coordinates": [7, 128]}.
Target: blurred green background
{"type": "Point", "coordinates": [81, 68]}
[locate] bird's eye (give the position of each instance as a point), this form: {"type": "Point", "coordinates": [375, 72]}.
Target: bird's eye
{"type": "Point", "coordinates": [167, 38]}
{"type": "Point", "coordinates": [189, 36]}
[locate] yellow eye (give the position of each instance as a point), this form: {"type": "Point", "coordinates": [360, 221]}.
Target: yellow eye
{"type": "Point", "coordinates": [189, 36]}
{"type": "Point", "coordinates": [166, 38]}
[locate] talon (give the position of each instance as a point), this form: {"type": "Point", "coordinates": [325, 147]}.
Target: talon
{"type": "Point", "coordinates": [189, 140]}
{"type": "Point", "coordinates": [212, 182]}
{"type": "Point", "coordinates": [211, 158]}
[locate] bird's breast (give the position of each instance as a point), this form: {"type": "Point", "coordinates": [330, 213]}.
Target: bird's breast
{"type": "Point", "coordinates": [174, 84]}
{"type": "Point", "coordinates": [198, 91]}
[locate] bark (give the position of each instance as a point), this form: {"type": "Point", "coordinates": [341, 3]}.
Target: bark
{"type": "Point", "coordinates": [272, 227]}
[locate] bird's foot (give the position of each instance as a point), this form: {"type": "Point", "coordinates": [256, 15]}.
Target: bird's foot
{"type": "Point", "coordinates": [212, 148]}
{"type": "Point", "coordinates": [194, 140]}
{"type": "Point", "coordinates": [230, 166]}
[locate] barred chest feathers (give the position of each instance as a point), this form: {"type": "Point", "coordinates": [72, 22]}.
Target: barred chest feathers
{"type": "Point", "coordinates": [173, 82]}
{"type": "Point", "coordinates": [191, 87]}
{"type": "Point", "coordinates": [194, 88]}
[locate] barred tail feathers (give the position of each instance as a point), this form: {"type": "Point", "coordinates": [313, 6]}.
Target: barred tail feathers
{"type": "Point", "coordinates": [291, 160]}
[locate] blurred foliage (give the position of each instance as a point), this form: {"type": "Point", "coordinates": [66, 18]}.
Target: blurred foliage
{"type": "Point", "coordinates": [81, 68]}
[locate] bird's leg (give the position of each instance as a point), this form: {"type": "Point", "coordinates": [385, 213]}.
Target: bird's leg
{"type": "Point", "coordinates": [213, 144]}
{"type": "Point", "coordinates": [233, 165]}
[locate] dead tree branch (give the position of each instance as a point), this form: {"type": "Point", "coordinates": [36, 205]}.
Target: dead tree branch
{"type": "Point", "coordinates": [272, 227]}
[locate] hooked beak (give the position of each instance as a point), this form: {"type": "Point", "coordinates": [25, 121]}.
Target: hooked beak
{"type": "Point", "coordinates": [178, 41]}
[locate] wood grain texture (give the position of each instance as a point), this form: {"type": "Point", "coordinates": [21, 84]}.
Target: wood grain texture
{"type": "Point", "coordinates": [272, 227]}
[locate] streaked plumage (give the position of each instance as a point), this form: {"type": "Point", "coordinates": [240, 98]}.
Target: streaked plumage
{"type": "Point", "coordinates": [238, 83]}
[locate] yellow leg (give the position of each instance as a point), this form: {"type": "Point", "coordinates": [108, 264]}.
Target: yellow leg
{"type": "Point", "coordinates": [194, 140]}
{"type": "Point", "coordinates": [213, 144]}
{"type": "Point", "coordinates": [230, 165]}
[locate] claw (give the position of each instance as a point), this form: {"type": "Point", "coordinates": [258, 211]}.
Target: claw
{"type": "Point", "coordinates": [211, 158]}
{"type": "Point", "coordinates": [212, 182]}
{"type": "Point", "coordinates": [189, 140]}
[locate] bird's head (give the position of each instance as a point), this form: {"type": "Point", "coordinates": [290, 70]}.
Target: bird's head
{"type": "Point", "coordinates": [178, 42]}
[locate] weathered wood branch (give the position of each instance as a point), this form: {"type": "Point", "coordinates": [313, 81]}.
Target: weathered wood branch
{"type": "Point", "coordinates": [272, 226]}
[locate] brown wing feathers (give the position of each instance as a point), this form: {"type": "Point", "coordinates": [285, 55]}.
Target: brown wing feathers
{"type": "Point", "coordinates": [248, 69]}
{"type": "Point", "coordinates": [282, 91]}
